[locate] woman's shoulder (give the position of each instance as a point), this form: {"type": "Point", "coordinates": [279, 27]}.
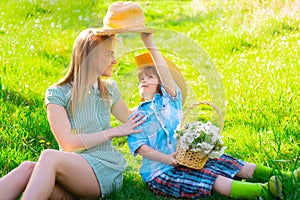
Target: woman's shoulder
{"type": "Point", "coordinates": [65, 87]}
{"type": "Point", "coordinates": [59, 90]}
{"type": "Point", "coordinates": [58, 94]}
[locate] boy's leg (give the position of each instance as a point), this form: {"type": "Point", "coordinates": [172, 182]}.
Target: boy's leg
{"type": "Point", "coordinates": [246, 190]}
{"type": "Point", "coordinates": [263, 173]}
{"type": "Point", "coordinates": [260, 173]}
{"type": "Point", "coordinates": [276, 183]}
{"type": "Point", "coordinates": [238, 189]}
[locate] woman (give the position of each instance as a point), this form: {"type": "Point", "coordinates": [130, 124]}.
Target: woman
{"type": "Point", "coordinates": [78, 110]}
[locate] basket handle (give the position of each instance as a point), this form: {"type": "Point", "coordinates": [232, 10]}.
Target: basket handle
{"type": "Point", "coordinates": [205, 103]}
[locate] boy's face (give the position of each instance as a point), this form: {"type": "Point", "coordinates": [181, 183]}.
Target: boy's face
{"type": "Point", "coordinates": [148, 85]}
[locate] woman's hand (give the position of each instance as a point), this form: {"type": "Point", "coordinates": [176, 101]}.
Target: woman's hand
{"type": "Point", "coordinates": [128, 127]}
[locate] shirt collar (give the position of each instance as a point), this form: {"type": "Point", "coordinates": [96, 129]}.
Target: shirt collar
{"type": "Point", "coordinates": [95, 85]}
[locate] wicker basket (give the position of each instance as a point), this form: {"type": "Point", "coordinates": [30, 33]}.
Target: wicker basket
{"type": "Point", "coordinates": [195, 160]}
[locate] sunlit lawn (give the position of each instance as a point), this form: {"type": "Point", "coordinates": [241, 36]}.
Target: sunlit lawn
{"type": "Point", "coordinates": [253, 45]}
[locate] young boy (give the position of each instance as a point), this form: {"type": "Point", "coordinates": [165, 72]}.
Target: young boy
{"type": "Point", "coordinates": [162, 107]}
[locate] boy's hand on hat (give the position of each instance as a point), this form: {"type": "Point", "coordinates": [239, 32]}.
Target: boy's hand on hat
{"type": "Point", "coordinates": [146, 36]}
{"type": "Point", "coordinates": [147, 40]}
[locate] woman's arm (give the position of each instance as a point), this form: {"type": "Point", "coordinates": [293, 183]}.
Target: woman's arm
{"type": "Point", "coordinates": [160, 64]}
{"type": "Point", "coordinates": [61, 128]}
{"type": "Point", "coordinates": [120, 111]}
{"type": "Point", "coordinates": [152, 154]}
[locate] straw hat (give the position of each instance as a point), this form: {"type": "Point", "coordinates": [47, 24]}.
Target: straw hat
{"type": "Point", "coordinates": [145, 60]}
{"type": "Point", "coordinates": [124, 17]}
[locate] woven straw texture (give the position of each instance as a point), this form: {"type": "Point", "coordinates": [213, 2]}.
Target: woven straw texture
{"type": "Point", "coordinates": [195, 160]}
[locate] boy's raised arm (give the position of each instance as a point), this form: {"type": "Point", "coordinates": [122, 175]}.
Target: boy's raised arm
{"type": "Point", "coordinates": [160, 64]}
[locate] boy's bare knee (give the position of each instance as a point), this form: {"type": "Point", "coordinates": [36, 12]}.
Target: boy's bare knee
{"type": "Point", "coordinates": [223, 185]}
{"type": "Point", "coordinates": [247, 171]}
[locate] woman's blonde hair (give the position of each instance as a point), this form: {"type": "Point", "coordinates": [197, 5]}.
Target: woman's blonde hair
{"type": "Point", "coordinates": [81, 72]}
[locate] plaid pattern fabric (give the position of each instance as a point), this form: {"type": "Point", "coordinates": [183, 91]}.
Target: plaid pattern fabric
{"type": "Point", "coordinates": [183, 182]}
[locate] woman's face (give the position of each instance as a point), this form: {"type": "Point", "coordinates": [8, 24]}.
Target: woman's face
{"type": "Point", "coordinates": [103, 58]}
{"type": "Point", "coordinates": [109, 55]}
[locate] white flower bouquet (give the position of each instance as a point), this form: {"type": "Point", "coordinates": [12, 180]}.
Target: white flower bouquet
{"type": "Point", "coordinates": [201, 137]}
{"type": "Point", "coordinates": [198, 141]}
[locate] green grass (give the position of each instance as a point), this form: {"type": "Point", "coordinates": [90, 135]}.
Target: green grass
{"type": "Point", "coordinates": [254, 46]}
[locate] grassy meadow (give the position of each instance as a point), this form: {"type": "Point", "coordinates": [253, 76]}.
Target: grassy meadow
{"type": "Point", "coordinates": [253, 49]}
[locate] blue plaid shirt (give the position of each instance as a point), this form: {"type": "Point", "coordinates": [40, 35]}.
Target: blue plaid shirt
{"type": "Point", "coordinates": [162, 115]}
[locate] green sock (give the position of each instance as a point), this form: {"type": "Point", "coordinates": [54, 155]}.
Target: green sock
{"type": "Point", "coordinates": [246, 190]}
{"type": "Point", "coordinates": [263, 173]}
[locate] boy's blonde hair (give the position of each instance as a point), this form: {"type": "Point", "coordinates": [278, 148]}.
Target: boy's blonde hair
{"type": "Point", "coordinates": [147, 71]}
{"type": "Point", "coordinates": [145, 60]}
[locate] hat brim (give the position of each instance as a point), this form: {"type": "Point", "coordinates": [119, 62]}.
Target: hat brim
{"type": "Point", "coordinates": [106, 31]}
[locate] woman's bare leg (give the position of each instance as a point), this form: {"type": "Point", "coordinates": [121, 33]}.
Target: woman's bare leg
{"type": "Point", "coordinates": [60, 193]}
{"type": "Point", "coordinates": [69, 170]}
{"type": "Point", "coordinates": [13, 184]}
